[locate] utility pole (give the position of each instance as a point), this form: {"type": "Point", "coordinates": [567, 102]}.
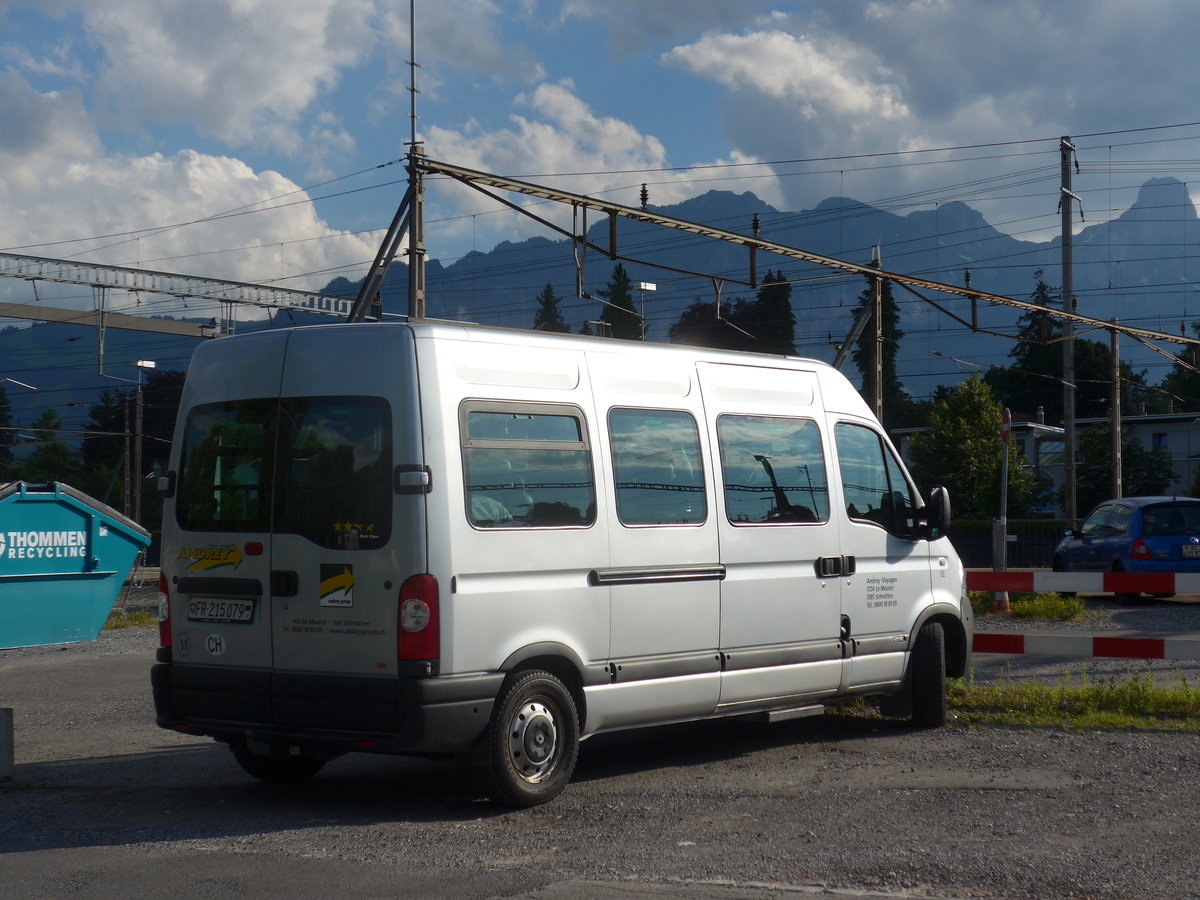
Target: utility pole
{"type": "Point", "coordinates": [1066, 149]}
{"type": "Point", "coordinates": [877, 344]}
{"type": "Point", "coordinates": [416, 184]}
{"type": "Point", "coordinates": [1117, 485]}
{"type": "Point", "coordinates": [416, 236]}
{"type": "Point", "coordinates": [126, 506]}
{"type": "Point", "coordinates": [139, 400]}
{"type": "Point", "coordinates": [137, 452]}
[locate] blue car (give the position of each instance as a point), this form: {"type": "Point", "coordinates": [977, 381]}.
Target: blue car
{"type": "Point", "coordinates": [1135, 534]}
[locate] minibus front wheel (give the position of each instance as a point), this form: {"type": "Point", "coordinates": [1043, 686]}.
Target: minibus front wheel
{"type": "Point", "coordinates": [533, 739]}
{"type": "Point", "coordinates": [929, 677]}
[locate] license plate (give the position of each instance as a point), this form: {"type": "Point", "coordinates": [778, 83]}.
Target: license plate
{"type": "Point", "coordinates": [203, 609]}
{"type": "Point", "coordinates": [1191, 551]}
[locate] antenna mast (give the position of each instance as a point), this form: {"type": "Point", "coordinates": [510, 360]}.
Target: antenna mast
{"type": "Point", "coordinates": [409, 219]}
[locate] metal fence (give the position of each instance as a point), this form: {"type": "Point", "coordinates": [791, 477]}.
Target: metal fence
{"type": "Point", "coordinates": [1030, 546]}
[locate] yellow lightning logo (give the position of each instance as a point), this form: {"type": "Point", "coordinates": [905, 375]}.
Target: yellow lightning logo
{"type": "Point", "coordinates": [343, 581]}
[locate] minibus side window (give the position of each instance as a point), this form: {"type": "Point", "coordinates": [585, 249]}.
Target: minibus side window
{"type": "Point", "coordinates": [225, 467]}
{"type": "Point", "coordinates": [526, 465]}
{"type": "Point", "coordinates": [657, 466]}
{"type": "Point", "coordinates": [873, 482]}
{"type": "Point", "coordinates": [773, 468]}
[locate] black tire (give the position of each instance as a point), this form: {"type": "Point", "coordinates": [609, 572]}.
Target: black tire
{"type": "Point", "coordinates": [928, 673]}
{"type": "Point", "coordinates": [1059, 566]}
{"type": "Point", "coordinates": [533, 740]}
{"type": "Point", "coordinates": [1125, 599]}
{"type": "Point", "coordinates": [276, 769]}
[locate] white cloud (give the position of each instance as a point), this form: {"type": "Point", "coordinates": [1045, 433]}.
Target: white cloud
{"type": "Point", "coordinates": [241, 71]}
{"type": "Point", "coordinates": [464, 34]}
{"type": "Point", "coordinates": [635, 24]}
{"type": "Point", "coordinates": [63, 193]}
{"type": "Point", "coordinates": [826, 76]}
{"type": "Point", "coordinates": [559, 141]}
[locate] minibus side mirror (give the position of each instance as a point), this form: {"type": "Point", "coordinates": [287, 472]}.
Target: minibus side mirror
{"type": "Point", "coordinates": [936, 515]}
{"type": "Point", "coordinates": [166, 485]}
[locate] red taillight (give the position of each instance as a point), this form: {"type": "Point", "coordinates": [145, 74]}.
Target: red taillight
{"type": "Point", "coordinates": [164, 612]}
{"type": "Point", "coordinates": [419, 631]}
{"type": "Point", "coordinates": [1140, 550]}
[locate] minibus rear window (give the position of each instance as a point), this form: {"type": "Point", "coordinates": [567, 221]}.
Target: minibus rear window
{"type": "Point", "coordinates": [318, 467]}
{"type": "Point", "coordinates": [333, 471]}
{"type": "Point", "coordinates": [226, 452]}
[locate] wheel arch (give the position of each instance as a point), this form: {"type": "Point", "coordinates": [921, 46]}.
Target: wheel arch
{"type": "Point", "coordinates": [958, 651]}
{"type": "Point", "coordinates": [560, 661]}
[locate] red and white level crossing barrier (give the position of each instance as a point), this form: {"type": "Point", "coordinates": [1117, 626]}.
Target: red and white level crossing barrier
{"type": "Point", "coordinates": [1089, 645]}
{"type": "Point", "coordinates": [1087, 582]}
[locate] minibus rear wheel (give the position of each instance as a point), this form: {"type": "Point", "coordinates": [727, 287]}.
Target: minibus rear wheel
{"type": "Point", "coordinates": [929, 677]}
{"type": "Point", "coordinates": [275, 768]}
{"type": "Point", "coordinates": [533, 740]}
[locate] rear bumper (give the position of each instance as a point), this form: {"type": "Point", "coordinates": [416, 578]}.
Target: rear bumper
{"type": "Point", "coordinates": [1157, 566]}
{"type": "Point", "coordinates": [338, 713]}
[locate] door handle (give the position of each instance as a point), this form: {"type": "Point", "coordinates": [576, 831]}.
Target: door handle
{"type": "Point", "coordinates": [284, 583]}
{"type": "Point", "coordinates": [833, 566]}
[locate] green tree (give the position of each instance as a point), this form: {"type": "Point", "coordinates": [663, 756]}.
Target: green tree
{"type": "Point", "coordinates": [961, 449]}
{"type": "Point", "coordinates": [618, 313]}
{"type": "Point", "coordinates": [7, 438]}
{"type": "Point", "coordinates": [699, 326]}
{"type": "Point", "coordinates": [52, 458]}
{"type": "Point", "coordinates": [774, 320]}
{"type": "Point", "coordinates": [1143, 472]}
{"type": "Point", "coordinates": [1035, 377]}
{"type": "Point", "coordinates": [548, 317]}
{"type": "Point", "coordinates": [1183, 381]}
{"type": "Point", "coordinates": [895, 398]}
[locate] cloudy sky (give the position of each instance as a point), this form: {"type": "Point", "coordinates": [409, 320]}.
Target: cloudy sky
{"type": "Point", "coordinates": [258, 140]}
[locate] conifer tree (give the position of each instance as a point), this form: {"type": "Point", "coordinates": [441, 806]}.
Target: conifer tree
{"type": "Point", "coordinates": [7, 438]}
{"type": "Point", "coordinates": [895, 398]}
{"type": "Point", "coordinates": [618, 313]}
{"type": "Point", "coordinates": [775, 320]}
{"type": "Point", "coordinates": [548, 317]}
{"type": "Point", "coordinates": [51, 459]}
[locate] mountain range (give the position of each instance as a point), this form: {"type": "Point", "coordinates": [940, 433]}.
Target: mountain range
{"type": "Point", "coordinates": [1138, 267]}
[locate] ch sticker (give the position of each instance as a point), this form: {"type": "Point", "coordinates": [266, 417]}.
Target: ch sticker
{"type": "Point", "coordinates": [337, 585]}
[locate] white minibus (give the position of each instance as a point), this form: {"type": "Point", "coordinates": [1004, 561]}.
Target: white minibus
{"type": "Point", "coordinates": [450, 540]}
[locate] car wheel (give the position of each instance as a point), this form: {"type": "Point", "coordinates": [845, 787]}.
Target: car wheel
{"type": "Point", "coordinates": [1059, 566]}
{"type": "Point", "coordinates": [1124, 598]}
{"type": "Point", "coordinates": [276, 767]}
{"type": "Point", "coordinates": [533, 740]}
{"type": "Point", "coordinates": [928, 673]}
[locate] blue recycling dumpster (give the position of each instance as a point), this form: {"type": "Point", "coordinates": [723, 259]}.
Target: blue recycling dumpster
{"type": "Point", "coordinates": [64, 558]}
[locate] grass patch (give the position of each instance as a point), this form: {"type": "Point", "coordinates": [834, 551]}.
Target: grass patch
{"type": "Point", "coordinates": [1133, 700]}
{"type": "Point", "coordinates": [1044, 607]}
{"type": "Point", "coordinates": [132, 618]}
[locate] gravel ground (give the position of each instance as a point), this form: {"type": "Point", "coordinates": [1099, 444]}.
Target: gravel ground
{"type": "Point", "coordinates": [717, 809]}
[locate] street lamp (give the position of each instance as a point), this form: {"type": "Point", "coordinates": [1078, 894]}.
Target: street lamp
{"type": "Point", "coordinates": [21, 383]}
{"type": "Point", "coordinates": [642, 287]}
